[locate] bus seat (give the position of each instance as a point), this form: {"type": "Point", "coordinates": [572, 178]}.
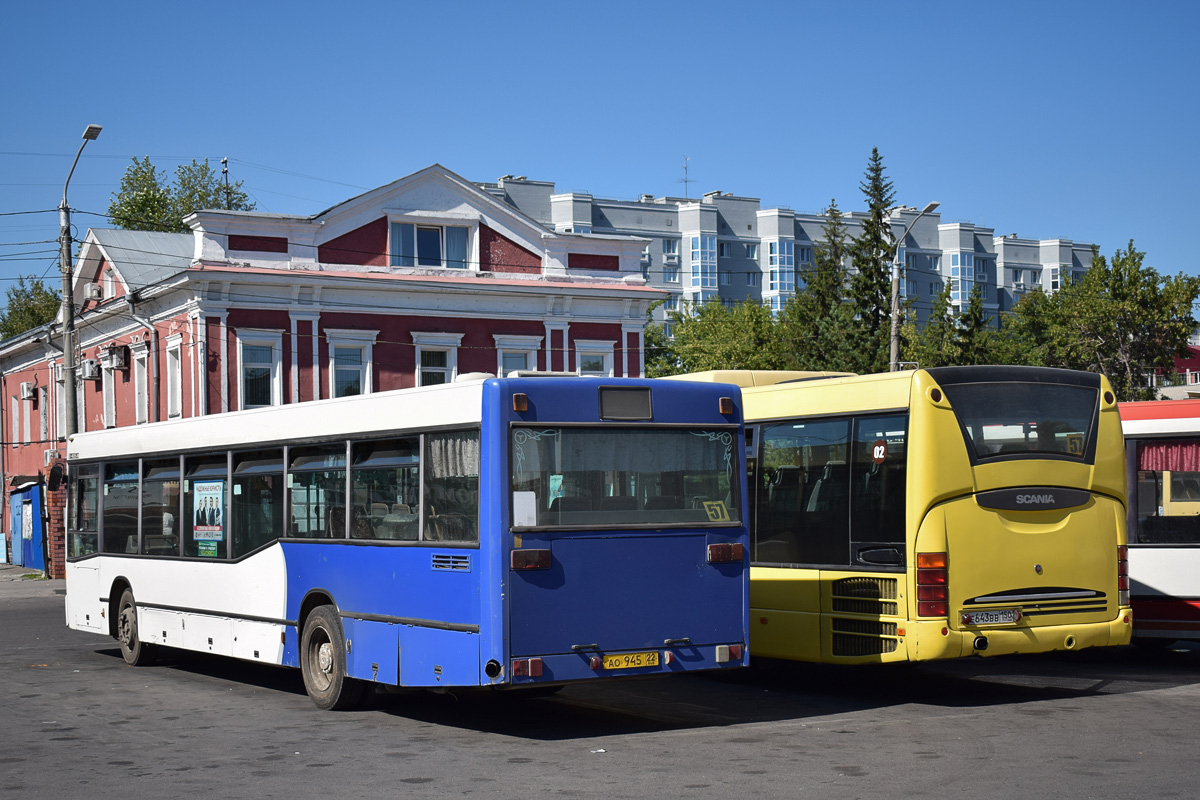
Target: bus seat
{"type": "Point", "coordinates": [379, 510]}
{"type": "Point", "coordinates": [337, 523]}
{"type": "Point", "coordinates": [664, 501]}
{"type": "Point", "coordinates": [618, 503]}
{"type": "Point", "coordinates": [570, 504]}
{"type": "Point", "coordinates": [401, 508]}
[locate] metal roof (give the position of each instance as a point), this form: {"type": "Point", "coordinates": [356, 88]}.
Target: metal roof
{"type": "Point", "coordinates": [145, 257]}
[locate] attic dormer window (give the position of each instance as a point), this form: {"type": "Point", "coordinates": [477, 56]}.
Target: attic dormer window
{"type": "Point", "coordinates": [428, 246]}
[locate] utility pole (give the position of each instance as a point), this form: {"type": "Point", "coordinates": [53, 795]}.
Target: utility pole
{"type": "Point", "coordinates": [225, 172]}
{"type": "Point", "coordinates": [68, 302]}
{"type": "Point", "coordinates": [894, 347]}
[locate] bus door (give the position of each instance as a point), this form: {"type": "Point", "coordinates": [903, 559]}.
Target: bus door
{"type": "Point", "coordinates": [627, 545]}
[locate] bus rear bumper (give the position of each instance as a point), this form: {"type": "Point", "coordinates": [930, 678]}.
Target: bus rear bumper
{"type": "Point", "coordinates": [589, 665]}
{"type": "Point", "coordinates": [1044, 639]}
{"type": "Point", "coordinates": [926, 641]}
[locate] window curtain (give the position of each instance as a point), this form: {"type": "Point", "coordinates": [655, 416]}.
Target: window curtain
{"type": "Point", "coordinates": [456, 248]}
{"type": "Point", "coordinates": [1175, 455]}
{"type": "Point", "coordinates": [454, 455]}
{"type": "Point", "coordinates": [403, 245]}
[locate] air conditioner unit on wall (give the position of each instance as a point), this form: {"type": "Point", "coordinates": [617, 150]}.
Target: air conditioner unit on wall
{"type": "Point", "coordinates": [89, 369]}
{"type": "Point", "coordinates": [115, 357]}
{"type": "Point", "coordinates": [26, 390]}
{"type": "Point", "coordinates": [93, 291]}
{"type": "Point", "coordinates": [50, 456]}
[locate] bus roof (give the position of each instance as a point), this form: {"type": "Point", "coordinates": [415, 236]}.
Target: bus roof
{"type": "Point", "coordinates": [745, 378]}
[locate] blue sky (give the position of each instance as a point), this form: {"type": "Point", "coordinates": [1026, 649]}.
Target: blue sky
{"type": "Point", "coordinates": [1047, 119]}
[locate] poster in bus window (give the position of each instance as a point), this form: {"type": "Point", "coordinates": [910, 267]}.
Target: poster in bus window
{"type": "Point", "coordinates": [209, 505]}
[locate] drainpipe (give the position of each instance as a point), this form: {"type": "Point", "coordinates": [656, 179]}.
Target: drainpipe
{"type": "Point", "coordinates": [145, 323]}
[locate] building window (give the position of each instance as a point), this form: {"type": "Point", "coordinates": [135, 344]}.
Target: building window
{"type": "Point", "coordinates": [259, 357]}
{"type": "Point", "coordinates": [727, 302]}
{"type": "Point", "coordinates": [726, 277]}
{"type": "Point", "coordinates": [671, 274]}
{"type": "Point", "coordinates": [140, 394]}
{"type": "Point", "coordinates": [724, 250]}
{"type": "Point", "coordinates": [428, 245]}
{"type": "Point", "coordinates": [437, 357]}
{"type": "Point", "coordinates": [704, 261]}
{"type": "Point", "coordinates": [753, 278]}
{"type": "Point", "coordinates": [804, 255]}
{"type": "Point", "coordinates": [109, 286]}
{"type": "Point", "coordinates": [1054, 280]}
{"type": "Point", "coordinates": [516, 353]}
{"type": "Point", "coordinates": [174, 377]}
{"type": "Point", "coordinates": [110, 399]}
{"type": "Point", "coordinates": [44, 413]}
{"type": "Point", "coordinates": [752, 251]}
{"type": "Point", "coordinates": [782, 264]}
{"type": "Point", "coordinates": [15, 415]}
{"type": "Point", "coordinates": [351, 358]}
{"type": "Point", "coordinates": [594, 358]}
{"type": "Point", "coordinates": [671, 303]}
{"type": "Point", "coordinates": [670, 248]}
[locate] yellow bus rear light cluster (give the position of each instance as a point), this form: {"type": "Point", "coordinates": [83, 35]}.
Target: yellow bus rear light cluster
{"type": "Point", "coordinates": [933, 577]}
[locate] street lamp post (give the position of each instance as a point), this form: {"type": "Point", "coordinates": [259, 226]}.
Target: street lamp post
{"type": "Point", "coordinates": [894, 357]}
{"type": "Point", "coordinates": [68, 304]}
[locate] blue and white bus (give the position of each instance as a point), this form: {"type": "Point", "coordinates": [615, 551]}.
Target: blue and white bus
{"type": "Point", "coordinates": [513, 532]}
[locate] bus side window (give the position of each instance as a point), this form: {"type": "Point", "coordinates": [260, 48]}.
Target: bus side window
{"type": "Point", "coordinates": [257, 500]}
{"type": "Point", "coordinates": [120, 508]}
{"type": "Point", "coordinates": [84, 509]}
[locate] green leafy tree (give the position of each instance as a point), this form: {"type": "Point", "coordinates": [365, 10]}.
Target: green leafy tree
{"type": "Point", "coordinates": [28, 304]}
{"type": "Point", "coordinates": [814, 325]}
{"type": "Point", "coordinates": [871, 285]}
{"type": "Point", "coordinates": [657, 348]}
{"type": "Point", "coordinates": [1126, 321]}
{"type": "Point", "coordinates": [935, 344]}
{"type": "Point", "coordinates": [974, 335]}
{"type": "Point", "coordinates": [146, 202]}
{"type": "Point", "coordinates": [712, 336]}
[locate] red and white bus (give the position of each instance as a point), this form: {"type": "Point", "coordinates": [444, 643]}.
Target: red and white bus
{"type": "Point", "coordinates": [1162, 463]}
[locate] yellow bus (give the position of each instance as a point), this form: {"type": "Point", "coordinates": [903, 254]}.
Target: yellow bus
{"type": "Point", "coordinates": [934, 513]}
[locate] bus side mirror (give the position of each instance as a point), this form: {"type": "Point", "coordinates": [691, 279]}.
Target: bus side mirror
{"type": "Point", "coordinates": [55, 479]}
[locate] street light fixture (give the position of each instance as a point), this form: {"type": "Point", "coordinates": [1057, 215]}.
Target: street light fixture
{"type": "Point", "coordinates": [894, 356]}
{"type": "Point", "coordinates": [68, 305]}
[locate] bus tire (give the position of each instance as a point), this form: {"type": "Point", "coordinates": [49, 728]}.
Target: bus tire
{"type": "Point", "coordinates": [323, 662]}
{"type": "Point", "coordinates": [135, 652]}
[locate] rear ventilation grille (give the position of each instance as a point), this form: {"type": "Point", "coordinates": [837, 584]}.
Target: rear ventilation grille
{"type": "Point", "coordinates": [452, 562]}
{"type": "Point", "coordinates": [873, 596]}
{"type": "Point", "coordinates": [850, 645]}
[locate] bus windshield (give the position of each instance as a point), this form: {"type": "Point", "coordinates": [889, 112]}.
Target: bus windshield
{"type": "Point", "coordinates": [613, 477]}
{"type": "Point", "coordinates": [1001, 419]}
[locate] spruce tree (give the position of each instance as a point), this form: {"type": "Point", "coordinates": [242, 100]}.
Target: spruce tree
{"type": "Point", "coordinates": [871, 284]}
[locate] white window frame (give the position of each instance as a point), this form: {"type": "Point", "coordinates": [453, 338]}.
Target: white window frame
{"type": "Point", "coordinates": [139, 353]}
{"type": "Point", "coordinates": [108, 388]}
{"type": "Point", "coordinates": [506, 343]}
{"type": "Point", "coordinates": [44, 412]}
{"type": "Point", "coordinates": [258, 339]}
{"type": "Point", "coordinates": [670, 274]}
{"type": "Point", "coordinates": [109, 285]}
{"type": "Point", "coordinates": [594, 347]}
{"type": "Point", "coordinates": [752, 251]}
{"type": "Point", "coordinates": [15, 413]}
{"type": "Point", "coordinates": [175, 376]}
{"type": "Point", "coordinates": [446, 342]}
{"type": "Point", "coordinates": [349, 338]}
{"type": "Point", "coordinates": [441, 222]}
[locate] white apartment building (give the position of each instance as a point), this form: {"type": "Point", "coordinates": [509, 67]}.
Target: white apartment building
{"type": "Point", "coordinates": [728, 247]}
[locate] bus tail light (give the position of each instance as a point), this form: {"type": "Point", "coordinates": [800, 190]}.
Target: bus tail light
{"type": "Point", "coordinates": [531, 559]}
{"type": "Point", "coordinates": [933, 578]}
{"type": "Point", "coordinates": [1122, 575]}
{"type": "Point", "coordinates": [725, 553]}
{"type": "Point", "coordinates": [728, 652]}
{"type": "Point", "coordinates": [527, 668]}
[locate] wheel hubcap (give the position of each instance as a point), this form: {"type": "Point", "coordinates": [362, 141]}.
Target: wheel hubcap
{"type": "Point", "coordinates": [126, 627]}
{"type": "Point", "coordinates": [325, 658]}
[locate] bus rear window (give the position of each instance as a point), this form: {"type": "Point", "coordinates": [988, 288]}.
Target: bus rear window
{"type": "Point", "coordinates": [615, 477]}
{"type": "Point", "coordinates": [1006, 419]}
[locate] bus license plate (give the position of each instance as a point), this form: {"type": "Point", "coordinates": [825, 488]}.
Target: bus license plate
{"type": "Point", "coordinates": [631, 660]}
{"type": "Point", "coordinates": [1006, 617]}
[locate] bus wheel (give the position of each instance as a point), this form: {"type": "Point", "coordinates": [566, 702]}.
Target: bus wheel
{"type": "Point", "coordinates": [135, 652]}
{"type": "Point", "coordinates": [323, 662]}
